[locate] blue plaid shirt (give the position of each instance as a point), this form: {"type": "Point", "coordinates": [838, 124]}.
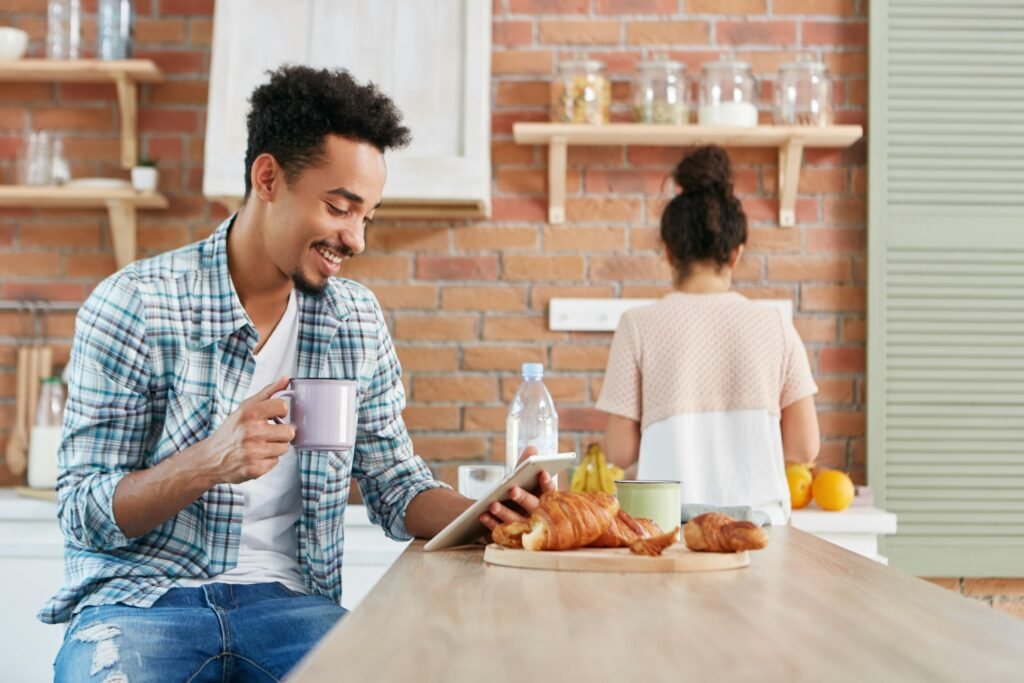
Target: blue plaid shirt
{"type": "Point", "coordinates": [162, 355]}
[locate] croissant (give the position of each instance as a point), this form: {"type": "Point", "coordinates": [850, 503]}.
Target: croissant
{"type": "Point", "coordinates": [625, 530]}
{"type": "Point", "coordinates": [717, 533]}
{"type": "Point", "coordinates": [564, 520]}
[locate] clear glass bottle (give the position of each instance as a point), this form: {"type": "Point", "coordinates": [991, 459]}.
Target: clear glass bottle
{"type": "Point", "coordinates": [532, 419]}
{"type": "Point", "coordinates": [660, 93]}
{"type": "Point", "coordinates": [803, 94]}
{"type": "Point", "coordinates": [113, 29]}
{"type": "Point", "coordinates": [727, 95]}
{"type": "Point", "coordinates": [581, 93]}
{"type": "Point", "coordinates": [63, 29]}
{"type": "Point", "coordinates": [44, 441]}
{"type": "Point", "coordinates": [60, 171]}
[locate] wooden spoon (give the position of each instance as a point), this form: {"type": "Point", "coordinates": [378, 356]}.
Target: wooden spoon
{"type": "Point", "coordinates": [17, 446]}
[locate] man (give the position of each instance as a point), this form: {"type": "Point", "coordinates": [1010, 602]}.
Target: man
{"type": "Point", "coordinates": [199, 544]}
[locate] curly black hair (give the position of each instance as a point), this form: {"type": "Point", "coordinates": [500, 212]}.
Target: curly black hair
{"type": "Point", "coordinates": [291, 114]}
{"type": "Point", "coordinates": [705, 221]}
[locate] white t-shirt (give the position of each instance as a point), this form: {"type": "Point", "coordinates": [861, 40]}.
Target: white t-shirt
{"type": "Point", "coordinates": [267, 551]}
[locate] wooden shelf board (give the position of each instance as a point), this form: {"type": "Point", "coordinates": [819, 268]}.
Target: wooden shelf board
{"type": "Point", "coordinates": [80, 70]}
{"type": "Point", "coordinates": [78, 197]}
{"type": "Point", "coordinates": [671, 135]}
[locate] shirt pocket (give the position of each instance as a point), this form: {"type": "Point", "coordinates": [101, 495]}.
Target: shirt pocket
{"type": "Point", "coordinates": [187, 422]}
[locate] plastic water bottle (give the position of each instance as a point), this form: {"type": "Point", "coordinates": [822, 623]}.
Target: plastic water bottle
{"type": "Point", "coordinates": [63, 29]}
{"type": "Point", "coordinates": [532, 420]}
{"type": "Point", "coordinates": [114, 29]}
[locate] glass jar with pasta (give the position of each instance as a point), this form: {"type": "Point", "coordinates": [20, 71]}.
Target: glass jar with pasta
{"type": "Point", "coordinates": [659, 92]}
{"type": "Point", "coordinates": [581, 93]}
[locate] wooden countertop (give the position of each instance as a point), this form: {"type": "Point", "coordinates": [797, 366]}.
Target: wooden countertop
{"type": "Point", "coordinates": [805, 610]}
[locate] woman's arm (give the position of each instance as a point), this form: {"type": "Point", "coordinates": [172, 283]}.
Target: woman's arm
{"type": "Point", "coordinates": [800, 437]}
{"type": "Point", "coordinates": [622, 441]}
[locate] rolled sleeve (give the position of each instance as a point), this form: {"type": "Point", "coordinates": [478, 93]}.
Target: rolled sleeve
{"type": "Point", "coordinates": [389, 474]}
{"type": "Point", "coordinates": [106, 418]}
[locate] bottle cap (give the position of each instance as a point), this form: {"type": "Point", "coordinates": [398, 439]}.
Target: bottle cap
{"type": "Point", "coordinates": [533, 370]}
{"type": "Point", "coordinates": [52, 380]}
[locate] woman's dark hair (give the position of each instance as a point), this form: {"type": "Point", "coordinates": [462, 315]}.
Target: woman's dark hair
{"type": "Point", "coordinates": [705, 221]}
{"type": "Point", "coordinates": [292, 114]}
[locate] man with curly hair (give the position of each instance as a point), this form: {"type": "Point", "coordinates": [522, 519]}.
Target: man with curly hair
{"type": "Point", "coordinates": [199, 545]}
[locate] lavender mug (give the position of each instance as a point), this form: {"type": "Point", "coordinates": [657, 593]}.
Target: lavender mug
{"type": "Point", "coordinates": [323, 412]}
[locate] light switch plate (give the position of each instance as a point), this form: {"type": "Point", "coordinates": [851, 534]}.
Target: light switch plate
{"type": "Point", "coordinates": [602, 315]}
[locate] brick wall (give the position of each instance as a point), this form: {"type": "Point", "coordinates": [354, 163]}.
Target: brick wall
{"type": "Point", "coordinates": [467, 300]}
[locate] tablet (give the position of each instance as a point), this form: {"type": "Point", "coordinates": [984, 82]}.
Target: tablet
{"type": "Point", "coordinates": [467, 527]}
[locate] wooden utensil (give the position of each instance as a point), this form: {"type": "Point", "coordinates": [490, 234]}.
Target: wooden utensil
{"type": "Point", "coordinates": [17, 446]}
{"type": "Point", "coordinates": [678, 558]}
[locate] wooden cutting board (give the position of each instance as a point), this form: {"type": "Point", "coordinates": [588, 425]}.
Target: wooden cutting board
{"type": "Point", "coordinates": [678, 558]}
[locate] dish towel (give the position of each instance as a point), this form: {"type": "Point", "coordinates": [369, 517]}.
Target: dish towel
{"type": "Point", "coordinates": [741, 513]}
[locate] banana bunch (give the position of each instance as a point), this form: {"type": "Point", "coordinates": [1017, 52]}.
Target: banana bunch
{"type": "Point", "coordinates": [594, 473]}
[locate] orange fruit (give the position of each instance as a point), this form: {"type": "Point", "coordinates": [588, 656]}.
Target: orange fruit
{"type": "Point", "coordinates": [833, 490]}
{"type": "Point", "coordinates": [799, 478]}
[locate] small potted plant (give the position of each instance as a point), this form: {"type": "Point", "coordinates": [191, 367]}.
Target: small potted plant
{"type": "Point", "coordinates": [144, 175]}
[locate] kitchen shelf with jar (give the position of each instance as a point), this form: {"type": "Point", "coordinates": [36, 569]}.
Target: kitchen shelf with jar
{"type": "Point", "coordinates": [790, 141]}
{"type": "Point", "coordinates": [120, 203]}
{"type": "Point", "coordinates": [125, 74]}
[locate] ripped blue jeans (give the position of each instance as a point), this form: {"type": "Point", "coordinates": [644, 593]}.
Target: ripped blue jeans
{"type": "Point", "coordinates": [218, 632]}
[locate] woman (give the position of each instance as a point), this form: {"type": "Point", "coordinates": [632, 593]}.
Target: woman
{"type": "Point", "coordinates": [705, 386]}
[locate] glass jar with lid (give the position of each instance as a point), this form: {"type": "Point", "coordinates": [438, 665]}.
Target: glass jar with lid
{"type": "Point", "coordinates": [803, 94]}
{"type": "Point", "coordinates": [727, 94]}
{"type": "Point", "coordinates": [581, 93]}
{"type": "Point", "coordinates": [659, 92]}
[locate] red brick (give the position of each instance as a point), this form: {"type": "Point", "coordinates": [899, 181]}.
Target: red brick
{"type": "Point", "coordinates": [566, 390]}
{"type": "Point", "coordinates": [486, 238]}
{"type": "Point", "coordinates": [158, 31]}
{"type": "Point", "coordinates": [200, 7]}
{"type": "Point", "coordinates": [832, 298]}
{"type": "Point", "coordinates": [538, 268]}
{"type": "Point", "coordinates": [391, 238]}
{"type": "Point", "coordinates": [845, 211]}
{"type": "Point", "coordinates": [459, 389]}
{"type": "Point", "coordinates": [821, 329]}
{"type": "Point", "coordinates": [653, 182]}
{"type": "Point", "coordinates": [525, 181]}
{"type": "Point", "coordinates": [200, 31]}
{"type": "Point", "coordinates": [491, 419]}
{"type": "Point", "coordinates": [583, 155]}
{"type": "Point", "coordinates": [179, 92]}
{"type": "Point", "coordinates": [834, 390]}
{"type": "Point", "coordinates": [55, 291]}
{"type": "Point", "coordinates": [165, 149]}
{"type": "Point", "coordinates": [507, 152]}
{"type": "Point", "coordinates": [432, 418]}
{"type": "Point", "coordinates": [501, 328]}
{"type": "Point", "coordinates": [77, 118]}
{"type": "Point", "coordinates": [584, 239]}
{"type": "Point", "coordinates": [836, 240]}
{"type": "Point", "coordinates": [756, 32]}
{"type": "Point", "coordinates": [596, 210]}
{"type": "Point", "coordinates": [12, 118]}
{"type": "Point", "coordinates": [167, 120]}
{"type": "Point", "coordinates": [501, 357]}
{"type": "Point", "coordinates": [541, 295]}
{"type": "Point", "coordinates": [645, 239]}
{"type": "Point", "coordinates": [766, 210]}
{"type": "Point", "coordinates": [161, 237]}
{"type": "Point", "coordinates": [822, 181]}
{"type": "Point", "coordinates": [629, 268]}
{"type": "Point", "coordinates": [28, 264]}
{"type": "Point", "coordinates": [726, 7]}
{"type": "Point", "coordinates": [548, 6]}
{"type": "Point", "coordinates": [841, 423]}
{"type": "Point", "coordinates": [501, 298]}
{"type": "Point", "coordinates": [428, 358]}
{"type": "Point", "coordinates": [667, 32]}
{"type": "Point", "coordinates": [457, 267]}
{"type": "Point", "coordinates": [406, 296]}
{"type": "Point", "coordinates": [589, 32]}
{"type": "Point", "coordinates": [519, 209]}
{"type": "Point", "coordinates": [450, 447]}
{"type": "Point", "coordinates": [994, 587]}
{"type": "Point", "coordinates": [833, 33]}
{"type": "Point", "coordinates": [842, 8]}
{"type": "Point", "coordinates": [578, 357]}
{"type": "Point", "coordinates": [841, 359]}
{"type": "Point", "coordinates": [635, 6]}
{"type": "Point", "coordinates": [512, 32]}
{"type": "Point", "coordinates": [1012, 607]}
{"type": "Point", "coordinates": [523, 93]}
{"type": "Point", "coordinates": [855, 330]}
{"type": "Point", "coordinates": [522, 62]}
{"type": "Point", "coordinates": [436, 327]}
{"type": "Point", "coordinates": [503, 122]}
{"type": "Point", "coordinates": [846, 63]}
{"type": "Point", "coordinates": [749, 269]}
{"type": "Point", "coordinates": [176, 61]}
{"type": "Point", "coordinates": [804, 268]}
{"type": "Point", "coordinates": [60, 235]}
{"type": "Point", "coordinates": [26, 92]}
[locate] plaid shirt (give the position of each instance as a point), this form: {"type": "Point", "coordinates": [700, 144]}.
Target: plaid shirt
{"type": "Point", "coordinates": [162, 355]}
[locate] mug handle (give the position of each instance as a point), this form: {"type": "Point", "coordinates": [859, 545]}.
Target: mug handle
{"type": "Point", "coordinates": [287, 393]}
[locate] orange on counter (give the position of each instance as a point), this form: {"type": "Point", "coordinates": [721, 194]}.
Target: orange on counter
{"type": "Point", "coordinates": [799, 478]}
{"type": "Point", "coordinates": [833, 490]}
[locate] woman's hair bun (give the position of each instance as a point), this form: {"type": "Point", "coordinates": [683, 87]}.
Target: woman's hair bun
{"type": "Point", "coordinates": [705, 169]}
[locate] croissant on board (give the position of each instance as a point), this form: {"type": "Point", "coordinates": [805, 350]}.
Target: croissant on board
{"type": "Point", "coordinates": [567, 520]}
{"type": "Point", "coordinates": [717, 533]}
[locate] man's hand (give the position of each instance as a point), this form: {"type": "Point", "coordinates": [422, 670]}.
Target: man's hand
{"type": "Point", "coordinates": [247, 445]}
{"type": "Point", "coordinates": [526, 501]}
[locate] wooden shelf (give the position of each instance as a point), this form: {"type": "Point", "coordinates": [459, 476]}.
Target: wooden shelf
{"type": "Point", "coordinates": [121, 204]}
{"type": "Point", "coordinates": [790, 141]}
{"type": "Point", "coordinates": [125, 74]}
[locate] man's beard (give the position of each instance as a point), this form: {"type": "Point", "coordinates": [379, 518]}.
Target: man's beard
{"type": "Point", "coordinates": [308, 288]}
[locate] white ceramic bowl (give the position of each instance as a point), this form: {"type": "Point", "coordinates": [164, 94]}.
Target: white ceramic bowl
{"type": "Point", "coordinates": [13, 43]}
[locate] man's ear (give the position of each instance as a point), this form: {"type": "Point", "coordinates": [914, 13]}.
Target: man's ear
{"type": "Point", "coordinates": [266, 176]}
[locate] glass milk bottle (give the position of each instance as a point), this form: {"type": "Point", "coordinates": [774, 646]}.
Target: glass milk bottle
{"type": "Point", "coordinates": [63, 29]}
{"type": "Point", "coordinates": [45, 438]}
{"type": "Point", "coordinates": [532, 420]}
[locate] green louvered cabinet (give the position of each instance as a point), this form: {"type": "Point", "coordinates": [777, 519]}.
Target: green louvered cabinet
{"type": "Point", "coordinates": [946, 283]}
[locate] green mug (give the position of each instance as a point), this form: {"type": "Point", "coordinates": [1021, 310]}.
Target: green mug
{"type": "Point", "coordinates": [656, 500]}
